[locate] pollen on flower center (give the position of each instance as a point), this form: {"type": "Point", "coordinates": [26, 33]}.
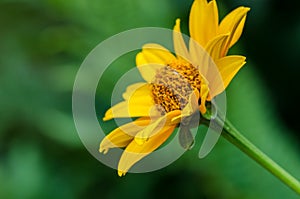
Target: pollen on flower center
{"type": "Point", "coordinates": [173, 85]}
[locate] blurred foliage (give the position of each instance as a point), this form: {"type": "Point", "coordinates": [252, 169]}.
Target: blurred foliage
{"type": "Point", "coordinates": [42, 46]}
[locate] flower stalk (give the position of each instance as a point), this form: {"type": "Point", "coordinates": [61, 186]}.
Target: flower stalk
{"type": "Point", "coordinates": [231, 134]}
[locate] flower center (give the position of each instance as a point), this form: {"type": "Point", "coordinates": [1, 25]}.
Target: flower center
{"type": "Point", "coordinates": [173, 85]}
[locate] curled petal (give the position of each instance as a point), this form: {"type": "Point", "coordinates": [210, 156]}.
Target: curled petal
{"type": "Point", "coordinates": [155, 127]}
{"type": "Point", "coordinates": [123, 135]}
{"type": "Point", "coordinates": [233, 23]}
{"type": "Point", "coordinates": [215, 46]}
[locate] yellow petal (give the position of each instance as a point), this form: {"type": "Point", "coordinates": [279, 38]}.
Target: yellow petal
{"type": "Point", "coordinates": [213, 16]}
{"type": "Point", "coordinates": [123, 135]}
{"type": "Point", "coordinates": [192, 105]}
{"type": "Point", "coordinates": [142, 136]}
{"type": "Point", "coordinates": [198, 56]}
{"type": "Point", "coordinates": [137, 89]}
{"type": "Point", "coordinates": [233, 23]}
{"type": "Point", "coordinates": [152, 58]}
{"type": "Point", "coordinates": [203, 21]}
{"type": "Point", "coordinates": [139, 102]}
{"type": "Point", "coordinates": [215, 46]}
{"type": "Point", "coordinates": [146, 69]}
{"type": "Point", "coordinates": [197, 17]}
{"type": "Point", "coordinates": [204, 91]}
{"type": "Point", "coordinates": [179, 44]}
{"type": "Point", "coordinates": [135, 152]}
{"type": "Point", "coordinates": [122, 110]}
{"type": "Point", "coordinates": [204, 59]}
{"type": "Point", "coordinates": [228, 66]}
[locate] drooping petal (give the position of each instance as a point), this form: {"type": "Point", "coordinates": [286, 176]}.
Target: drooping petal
{"type": "Point", "coordinates": [138, 103]}
{"type": "Point", "coordinates": [179, 44]}
{"type": "Point", "coordinates": [203, 22]}
{"type": "Point", "coordinates": [123, 135]}
{"type": "Point", "coordinates": [142, 136]}
{"type": "Point", "coordinates": [233, 23]}
{"type": "Point", "coordinates": [228, 66]}
{"type": "Point", "coordinates": [152, 58]}
{"type": "Point", "coordinates": [135, 152]}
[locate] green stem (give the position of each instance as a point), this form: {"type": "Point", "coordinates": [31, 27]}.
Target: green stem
{"type": "Point", "coordinates": [236, 138]}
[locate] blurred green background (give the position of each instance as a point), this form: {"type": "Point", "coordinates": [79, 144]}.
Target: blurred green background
{"type": "Point", "coordinates": [42, 45]}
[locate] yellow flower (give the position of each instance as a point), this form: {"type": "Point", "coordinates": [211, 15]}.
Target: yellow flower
{"type": "Point", "coordinates": [176, 85]}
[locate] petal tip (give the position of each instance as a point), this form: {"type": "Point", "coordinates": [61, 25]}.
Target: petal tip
{"type": "Point", "coordinates": [105, 118]}
{"type": "Point", "coordinates": [243, 8]}
{"type": "Point", "coordinates": [202, 109]}
{"type": "Point", "coordinates": [108, 115]}
{"type": "Point", "coordinates": [121, 173]}
{"type": "Point", "coordinates": [247, 9]}
{"type": "Point", "coordinates": [103, 150]}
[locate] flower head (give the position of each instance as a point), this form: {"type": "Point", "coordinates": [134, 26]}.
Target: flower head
{"type": "Point", "coordinates": [176, 86]}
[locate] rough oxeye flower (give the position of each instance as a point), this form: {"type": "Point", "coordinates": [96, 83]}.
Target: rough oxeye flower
{"type": "Point", "coordinates": [176, 86]}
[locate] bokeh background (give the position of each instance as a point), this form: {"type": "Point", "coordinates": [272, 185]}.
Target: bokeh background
{"type": "Point", "coordinates": [43, 43]}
